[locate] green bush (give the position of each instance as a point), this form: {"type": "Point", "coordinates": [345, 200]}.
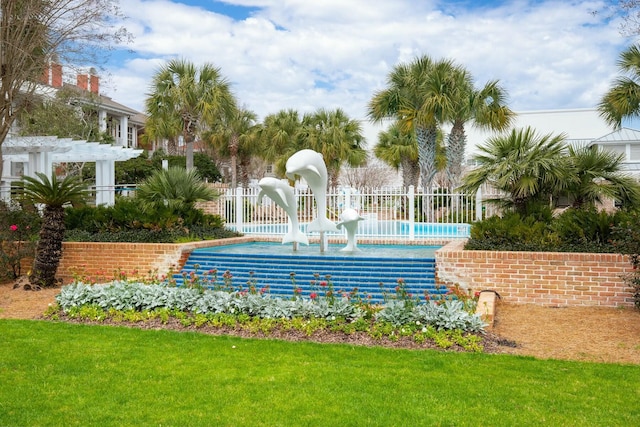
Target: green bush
{"type": "Point", "coordinates": [126, 221]}
{"type": "Point", "coordinates": [18, 234]}
{"type": "Point", "coordinates": [626, 240]}
{"type": "Point", "coordinates": [575, 230]}
{"type": "Point", "coordinates": [513, 232]}
{"type": "Point", "coordinates": [587, 230]}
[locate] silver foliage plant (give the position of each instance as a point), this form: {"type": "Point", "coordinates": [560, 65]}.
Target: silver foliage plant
{"type": "Point", "coordinates": [123, 295]}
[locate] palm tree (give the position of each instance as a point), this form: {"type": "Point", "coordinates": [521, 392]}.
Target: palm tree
{"type": "Point", "coordinates": [399, 149]}
{"type": "Point", "coordinates": [157, 128]}
{"type": "Point", "coordinates": [622, 100]}
{"type": "Point", "coordinates": [598, 173]}
{"type": "Point", "coordinates": [280, 137]}
{"type": "Point", "coordinates": [53, 194]}
{"type": "Point", "coordinates": [524, 165]}
{"type": "Point", "coordinates": [484, 107]}
{"type": "Point", "coordinates": [190, 95]}
{"type": "Point", "coordinates": [337, 137]}
{"type": "Point", "coordinates": [176, 188]}
{"type": "Point", "coordinates": [421, 96]}
{"type": "Point", "coordinates": [235, 135]}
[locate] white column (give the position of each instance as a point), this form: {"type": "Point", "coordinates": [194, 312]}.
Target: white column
{"type": "Point", "coordinates": [105, 182]}
{"type": "Point", "coordinates": [102, 121]}
{"type": "Point", "coordinates": [39, 162]}
{"type": "Point", "coordinates": [124, 125]}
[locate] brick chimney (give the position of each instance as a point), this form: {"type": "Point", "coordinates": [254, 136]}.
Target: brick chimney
{"type": "Point", "coordinates": [56, 75]}
{"type": "Point", "coordinates": [83, 81]}
{"type": "Point", "coordinates": [52, 75]}
{"type": "Point", "coordinates": [94, 83]}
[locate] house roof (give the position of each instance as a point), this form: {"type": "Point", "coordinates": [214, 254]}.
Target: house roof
{"type": "Point", "coordinates": [622, 135]}
{"type": "Point", "coordinates": [110, 105]}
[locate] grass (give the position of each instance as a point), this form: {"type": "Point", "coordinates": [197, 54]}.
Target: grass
{"type": "Point", "coordinates": [69, 374]}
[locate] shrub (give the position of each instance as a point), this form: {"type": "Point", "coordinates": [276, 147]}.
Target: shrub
{"type": "Point", "coordinates": [126, 221]}
{"type": "Point", "coordinates": [575, 230]}
{"type": "Point", "coordinates": [18, 234]}
{"type": "Point", "coordinates": [626, 240]}
{"type": "Point", "coordinates": [123, 295]}
{"type": "Point", "coordinates": [513, 232]}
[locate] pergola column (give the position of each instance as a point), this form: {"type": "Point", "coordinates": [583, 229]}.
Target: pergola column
{"type": "Point", "coordinates": [105, 182]}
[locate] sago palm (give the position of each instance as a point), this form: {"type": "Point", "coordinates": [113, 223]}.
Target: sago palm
{"type": "Point", "coordinates": [53, 194]}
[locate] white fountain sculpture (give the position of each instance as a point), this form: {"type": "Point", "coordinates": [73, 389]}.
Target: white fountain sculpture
{"type": "Point", "coordinates": [282, 194]}
{"type": "Point", "coordinates": [310, 165]}
{"type": "Point", "coordinates": [349, 219]}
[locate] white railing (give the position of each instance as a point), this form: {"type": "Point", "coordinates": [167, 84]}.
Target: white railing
{"type": "Point", "coordinates": [393, 213]}
{"type": "Point", "coordinates": [389, 212]}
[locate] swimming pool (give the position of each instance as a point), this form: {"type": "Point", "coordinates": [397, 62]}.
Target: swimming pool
{"type": "Point", "coordinates": [377, 229]}
{"type": "Point", "coordinates": [333, 250]}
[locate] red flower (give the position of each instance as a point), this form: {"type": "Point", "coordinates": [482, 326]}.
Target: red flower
{"type": "Point", "coordinates": [13, 227]}
{"type": "Point", "coordinates": [323, 283]}
{"type": "Point", "coordinates": [313, 295]}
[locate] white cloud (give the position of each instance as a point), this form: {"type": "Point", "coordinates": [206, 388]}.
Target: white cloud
{"type": "Point", "coordinates": [336, 53]}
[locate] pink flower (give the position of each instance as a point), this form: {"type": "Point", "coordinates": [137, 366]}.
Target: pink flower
{"type": "Point", "coordinates": [13, 227]}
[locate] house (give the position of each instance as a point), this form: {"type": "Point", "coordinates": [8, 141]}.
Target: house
{"type": "Point", "coordinates": [623, 141]}
{"type": "Point", "coordinates": [124, 124]}
{"type": "Point", "coordinates": [38, 154]}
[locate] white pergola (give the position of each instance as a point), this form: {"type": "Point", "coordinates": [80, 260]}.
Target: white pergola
{"type": "Point", "coordinates": [40, 153]}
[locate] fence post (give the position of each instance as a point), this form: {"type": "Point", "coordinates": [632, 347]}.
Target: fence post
{"type": "Point", "coordinates": [412, 212]}
{"type": "Point", "coordinates": [347, 198]}
{"type": "Point", "coordinates": [239, 209]}
{"type": "Point", "coordinates": [479, 205]}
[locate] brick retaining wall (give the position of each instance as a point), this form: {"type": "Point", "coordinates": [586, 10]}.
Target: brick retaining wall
{"type": "Point", "coordinates": [99, 258]}
{"type": "Point", "coordinates": [542, 278]}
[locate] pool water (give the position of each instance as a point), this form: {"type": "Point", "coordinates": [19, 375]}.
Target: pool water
{"type": "Point", "coordinates": [421, 230]}
{"type": "Point", "coordinates": [366, 250]}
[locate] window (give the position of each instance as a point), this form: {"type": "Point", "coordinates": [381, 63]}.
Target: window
{"type": "Point", "coordinates": [130, 136]}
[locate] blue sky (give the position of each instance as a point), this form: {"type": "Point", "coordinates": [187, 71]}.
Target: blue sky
{"type": "Point", "coordinates": [304, 55]}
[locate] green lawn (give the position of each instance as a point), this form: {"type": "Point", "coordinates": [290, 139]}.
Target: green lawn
{"type": "Point", "coordinates": [65, 374]}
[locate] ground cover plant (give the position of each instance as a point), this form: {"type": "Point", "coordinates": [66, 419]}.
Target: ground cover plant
{"type": "Point", "coordinates": [448, 322]}
{"type": "Point", "coordinates": [98, 375]}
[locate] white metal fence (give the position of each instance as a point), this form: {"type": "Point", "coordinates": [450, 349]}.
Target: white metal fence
{"type": "Point", "coordinates": [389, 213]}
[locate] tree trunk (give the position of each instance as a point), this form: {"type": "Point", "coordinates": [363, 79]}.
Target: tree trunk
{"type": "Point", "coordinates": [49, 248]}
{"type": "Point", "coordinates": [410, 173]}
{"type": "Point", "coordinates": [455, 154]}
{"type": "Point", "coordinates": [233, 151]}
{"type": "Point", "coordinates": [426, 137]}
